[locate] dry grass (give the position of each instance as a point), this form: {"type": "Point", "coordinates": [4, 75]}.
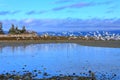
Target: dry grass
{"type": "Point", "coordinates": [60, 39]}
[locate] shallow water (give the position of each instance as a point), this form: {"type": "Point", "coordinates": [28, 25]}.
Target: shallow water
{"type": "Point", "coordinates": [61, 58]}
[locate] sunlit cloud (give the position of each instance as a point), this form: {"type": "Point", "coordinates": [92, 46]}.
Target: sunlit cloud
{"type": "Point", "coordinates": [28, 21]}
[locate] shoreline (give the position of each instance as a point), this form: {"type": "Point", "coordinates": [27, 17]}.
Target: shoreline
{"type": "Point", "coordinates": [93, 43]}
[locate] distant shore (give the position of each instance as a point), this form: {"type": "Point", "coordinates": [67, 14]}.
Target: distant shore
{"type": "Point", "coordinates": [96, 43]}
{"type": "Point", "coordinates": [26, 39]}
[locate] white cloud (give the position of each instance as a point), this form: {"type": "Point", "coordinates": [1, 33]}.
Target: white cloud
{"type": "Point", "coordinates": [28, 20]}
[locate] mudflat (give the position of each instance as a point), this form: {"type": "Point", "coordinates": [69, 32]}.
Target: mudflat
{"type": "Point", "coordinates": [96, 43]}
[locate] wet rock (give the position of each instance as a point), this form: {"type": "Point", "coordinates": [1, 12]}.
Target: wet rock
{"type": "Point", "coordinates": [25, 65]}
{"type": "Point", "coordinates": [27, 78]}
{"type": "Point", "coordinates": [17, 77]}
{"type": "Point", "coordinates": [23, 68]}
{"type": "Point", "coordinates": [89, 71]}
{"type": "Point", "coordinates": [35, 70]}
{"type": "Point", "coordinates": [75, 78]}
{"type": "Point", "coordinates": [74, 74]}
{"type": "Point", "coordinates": [61, 75]}
{"type": "Point", "coordinates": [11, 76]}
{"type": "Point", "coordinates": [14, 71]}
{"type": "Point", "coordinates": [39, 72]}
{"type": "Point", "coordinates": [115, 75]}
{"type": "Point", "coordinates": [2, 76]}
{"type": "Point", "coordinates": [45, 74]}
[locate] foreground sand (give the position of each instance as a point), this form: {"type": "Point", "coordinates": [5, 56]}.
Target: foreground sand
{"type": "Point", "coordinates": [99, 43]}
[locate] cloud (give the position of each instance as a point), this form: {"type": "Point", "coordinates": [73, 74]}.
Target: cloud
{"type": "Point", "coordinates": [81, 5]}
{"type": "Point", "coordinates": [27, 21]}
{"type": "Point", "coordinates": [35, 12]}
{"type": "Point", "coordinates": [62, 1]}
{"type": "Point", "coordinates": [30, 12]}
{"type": "Point", "coordinates": [8, 12]}
{"type": "Point", "coordinates": [76, 5]}
{"type": "Point", "coordinates": [109, 11]}
{"type": "Point", "coordinates": [113, 7]}
{"type": "Point", "coordinates": [65, 24]}
{"type": "Point", "coordinates": [41, 12]}
{"type": "Point", "coordinates": [15, 12]}
{"type": "Point", "coordinates": [59, 8]}
{"type": "Point", "coordinates": [4, 12]}
{"type": "Point", "coordinates": [104, 3]}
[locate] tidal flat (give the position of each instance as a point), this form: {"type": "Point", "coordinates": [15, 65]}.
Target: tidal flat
{"type": "Point", "coordinates": [56, 60]}
{"type": "Point", "coordinates": [95, 43]}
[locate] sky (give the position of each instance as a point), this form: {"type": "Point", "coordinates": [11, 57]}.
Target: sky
{"type": "Point", "coordinates": [61, 15]}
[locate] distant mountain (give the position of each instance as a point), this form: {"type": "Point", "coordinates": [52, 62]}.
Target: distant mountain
{"type": "Point", "coordinates": [81, 33]}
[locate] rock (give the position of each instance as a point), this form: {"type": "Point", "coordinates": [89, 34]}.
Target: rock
{"type": "Point", "coordinates": [27, 78]}
{"type": "Point", "coordinates": [17, 77]}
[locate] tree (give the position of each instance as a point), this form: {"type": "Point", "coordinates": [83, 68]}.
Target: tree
{"type": "Point", "coordinates": [1, 30]}
{"type": "Point", "coordinates": [17, 31]}
{"type": "Point", "coordinates": [23, 29]}
{"type": "Point", "coordinates": [12, 29]}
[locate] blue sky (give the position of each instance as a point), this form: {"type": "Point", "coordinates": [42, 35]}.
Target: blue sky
{"type": "Point", "coordinates": [58, 15]}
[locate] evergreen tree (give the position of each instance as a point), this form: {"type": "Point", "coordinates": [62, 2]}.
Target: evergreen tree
{"type": "Point", "coordinates": [12, 29]}
{"type": "Point", "coordinates": [1, 30]}
{"type": "Point", "coordinates": [17, 31]}
{"type": "Point", "coordinates": [23, 29]}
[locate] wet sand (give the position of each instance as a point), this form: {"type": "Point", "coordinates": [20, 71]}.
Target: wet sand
{"type": "Point", "coordinates": [95, 43]}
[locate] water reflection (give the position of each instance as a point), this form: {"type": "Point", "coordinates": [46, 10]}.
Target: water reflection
{"type": "Point", "coordinates": [59, 58]}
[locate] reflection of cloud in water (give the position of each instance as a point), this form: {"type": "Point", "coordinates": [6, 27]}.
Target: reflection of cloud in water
{"type": "Point", "coordinates": [64, 57]}
{"type": "Point", "coordinates": [34, 48]}
{"type": "Point", "coordinates": [47, 47]}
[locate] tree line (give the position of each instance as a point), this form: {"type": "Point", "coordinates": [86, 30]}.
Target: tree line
{"type": "Point", "coordinates": [13, 29]}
